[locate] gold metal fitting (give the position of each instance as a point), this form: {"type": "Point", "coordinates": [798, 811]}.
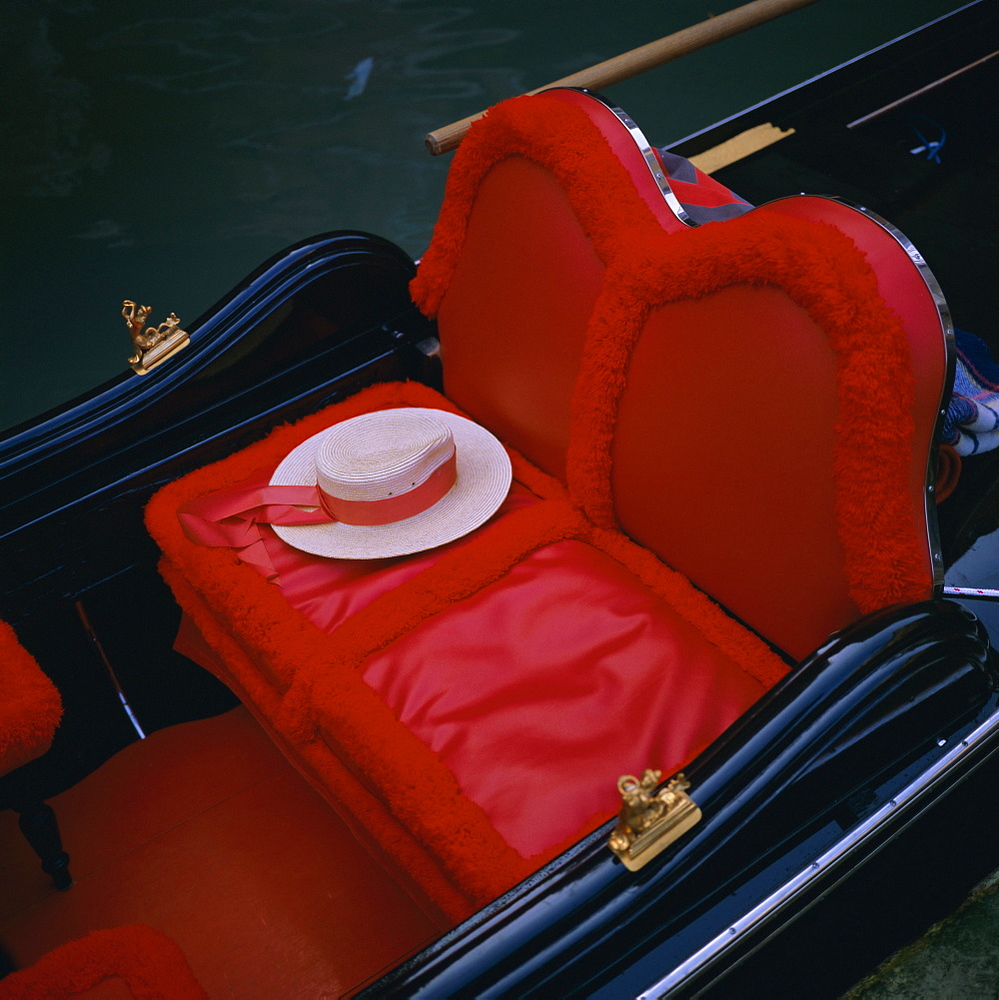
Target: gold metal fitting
{"type": "Point", "coordinates": [650, 821]}
{"type": "Point", "coordinates": [154, 345]}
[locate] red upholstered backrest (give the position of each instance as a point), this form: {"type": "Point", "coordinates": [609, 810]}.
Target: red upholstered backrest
{"type": "Point", "coordinates": [742, 398]}
{"type": "Point", "coordinates": [772, 436]}
{"type": "Point", "coordinates": [745, 465]}
{"type": "Point", "coordinates": [513, 322]}
{"type": "Point", "coordinates": [533, 213]}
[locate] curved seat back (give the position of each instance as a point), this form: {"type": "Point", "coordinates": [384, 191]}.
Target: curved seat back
{"type": "Point", "coordinates": [801, 396]}
{"type": "Point", "coordinates": [754, 400]}
{"type": "Point", "coordinates": [529, 222]}
{"type": "Point", "coordinates": [775, 434]}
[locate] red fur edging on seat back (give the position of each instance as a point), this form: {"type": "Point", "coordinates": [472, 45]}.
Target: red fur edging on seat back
{"type": "Point", "coordinates": [822, 271]}
{"type": "Point", "coordinates": [562, 138]}
{"type": "Point", "coordinates": [146, 960]}
{"type": "Point", "coordinates": [819, 267]}
{"type": "Point", "coordinates": [31, 707]}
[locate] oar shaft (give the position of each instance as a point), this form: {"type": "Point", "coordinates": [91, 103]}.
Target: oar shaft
{"type": "Point", "coordinates": [645, 57]}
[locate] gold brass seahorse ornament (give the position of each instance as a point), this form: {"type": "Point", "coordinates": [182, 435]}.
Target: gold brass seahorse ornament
{"type": "Point", "coordinates": [650, 821]}
{"type": "Point", "coordinates": [151, 345]}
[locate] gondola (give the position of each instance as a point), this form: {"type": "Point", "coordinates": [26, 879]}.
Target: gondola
{"type": "Point", "coordinates": [717, 340]}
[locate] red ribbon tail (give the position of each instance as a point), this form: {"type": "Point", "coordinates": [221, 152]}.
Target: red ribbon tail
{"type": "Point", "coordinates": [231, 517]}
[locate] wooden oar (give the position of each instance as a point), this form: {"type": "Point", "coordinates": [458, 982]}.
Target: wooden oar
{"type": "Point", "coordinates": [645, 57]}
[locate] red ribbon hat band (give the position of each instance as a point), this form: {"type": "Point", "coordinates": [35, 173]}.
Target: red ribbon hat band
{"type": "Point", "coordinates": [392, 508]}
{"type": "Point", "coordinates": [381, 484]}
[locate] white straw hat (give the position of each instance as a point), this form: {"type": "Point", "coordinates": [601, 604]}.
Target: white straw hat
{"type": "Point", "coordinates": [425, 477]}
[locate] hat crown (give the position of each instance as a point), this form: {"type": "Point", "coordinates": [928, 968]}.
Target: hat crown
{"type": "Point", "coordinates": [382, 454]}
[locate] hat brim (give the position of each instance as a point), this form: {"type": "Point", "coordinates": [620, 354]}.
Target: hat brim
{"type": "Point", "coordinates": [483, 476]}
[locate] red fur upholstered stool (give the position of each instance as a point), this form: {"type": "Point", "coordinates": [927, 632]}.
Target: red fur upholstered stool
{"type": "Point", "coordinates": [30, 709]}
{"type": "Point", "coordinates": [125, 963]}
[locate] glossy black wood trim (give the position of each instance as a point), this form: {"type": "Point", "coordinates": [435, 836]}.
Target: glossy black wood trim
{"type": "Point", "coordinates": [312, 325]}
{"type": "Point", "coordinates": [867, 703]}
{"type": "Point", "coordinates": [860, 85]}
{"type": "Point", "coordinates": [219, 333]}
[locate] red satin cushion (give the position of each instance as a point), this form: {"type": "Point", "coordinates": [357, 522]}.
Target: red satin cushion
{"type": "Point", "coordinates": [329, 591]}
{"type": "Point", "coordinates": [543, 687]}
{"type": "Point", "coordinates": [540, 691]}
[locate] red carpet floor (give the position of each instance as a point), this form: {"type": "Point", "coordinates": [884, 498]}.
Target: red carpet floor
{"type": "Point", "coordinates": [205, 832]}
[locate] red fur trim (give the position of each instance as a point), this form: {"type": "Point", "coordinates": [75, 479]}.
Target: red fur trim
{"type": "Point", "coordinates": [30, 708]}
{"type": "Point", "coordinates": [563, 139]}
{"type": "Point", "coordinates": [151, 965]}
{"type": "Point", "coordinates": [818, 267]}
{"type": "Point", "coordinates": [752, 654]}
{"type": "Point", "coordinates": [263, 691]}
{"type": "Point", "coordinates": [824, 273]}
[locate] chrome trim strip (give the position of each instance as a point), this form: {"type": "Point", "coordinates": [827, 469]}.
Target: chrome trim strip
{"type": "Point", "coordinates": [907, 799]}
{"type": "Point", "coordinates": [950, 349]}
{"type": "Point", "coordinates": [645, 148]}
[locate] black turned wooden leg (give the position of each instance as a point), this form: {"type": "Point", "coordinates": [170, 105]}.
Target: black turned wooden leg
{"type": "Point", "coordinates": [41, 830]}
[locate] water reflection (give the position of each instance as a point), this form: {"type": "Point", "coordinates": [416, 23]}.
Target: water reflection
{"type": "Point", "coordinates": [161, 149]}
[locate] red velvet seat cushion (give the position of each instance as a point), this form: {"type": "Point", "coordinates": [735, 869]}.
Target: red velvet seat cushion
{"type": "Point", "coordinates": [523, 688]}
{"type": "Point", "coordinates": [330, 591]}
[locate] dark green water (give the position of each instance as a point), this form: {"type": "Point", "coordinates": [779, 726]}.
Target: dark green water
{"type": "Point", "coordinates": [160, 149]}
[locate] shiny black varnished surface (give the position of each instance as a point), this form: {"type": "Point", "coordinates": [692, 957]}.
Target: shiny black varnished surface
{"type": "Point", "coordinates": [312, 325]}
{"type": "Point", "coordinates": [855, 88]}
{"type": "Point", "coordinates": [808, 762]}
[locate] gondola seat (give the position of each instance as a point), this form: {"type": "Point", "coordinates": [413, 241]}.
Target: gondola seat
{"type": "Point", "coordinates": [720, 438]}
